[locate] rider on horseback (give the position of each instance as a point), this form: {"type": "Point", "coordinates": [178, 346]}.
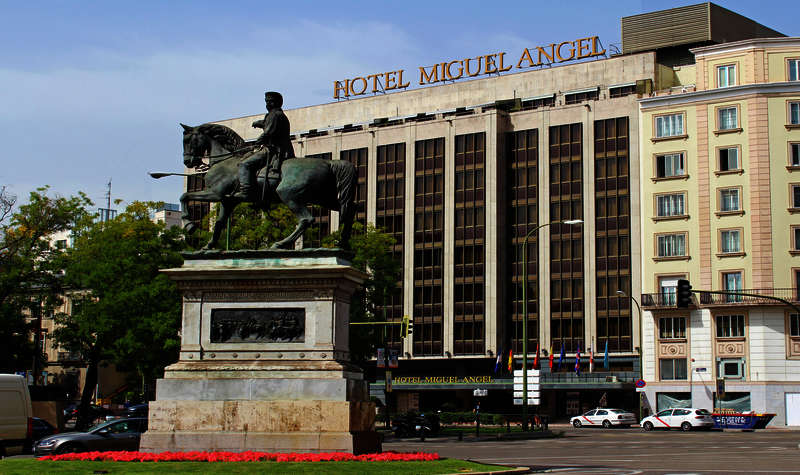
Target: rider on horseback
{"type": "Point", "coordinates": [273, 146]}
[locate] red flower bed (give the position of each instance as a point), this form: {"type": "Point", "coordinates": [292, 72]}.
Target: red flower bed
{"type": "Point", "coordinates": [248, 456]}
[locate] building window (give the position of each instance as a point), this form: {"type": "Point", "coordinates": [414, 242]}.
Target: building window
{"type": "Point", "coordinates": [730, 368]}
{"type": "Point", "coordinates": [567, 246]}
{"type": "Point", "coordinates": [612, 237]}
{"type": "Point", "coordinates": [728, 118]}
{"type": "Point", "coordinates": [730, 241]}
{"type": "Point", "coordinates": [469, 233]}
{"type": "Point", "coordinates": [794, 69]}
{"type": "Point", "coordinates": [729, 200]}
{"type": "Point", "coordinates": [794, 324]}
{"type": "Point", "coordinates": [795, 196]}
{"type": "Point", "coordinates": [621, 91]}
{"type": "Point", "coordinates": [668, 288]}
{"type": "Point", "coordinates": [577, 97]}
{"type": "Point", "coordinates": [672, 245]}
{"type": "Point", "coordinates": [794, 113]}
{"type": "Point", "coordinates": [523, 212]}
{"type": "Point", "coordinates": [669, 125]}
{"type": "Point", "coordinates": [670, 205]}
{"type": "Point", "coordinates": [729, 159]}
{"type": "Point", "coordinates": [669, 165]}
{"type": "Point", "coordinates": [429, 190]}
{"type": "Point", "coordinates": [671, 369]}
{"type": "Point", "coordinates": [390, 218]}
{"type": "Point", "coordinates": [732, 281]}
{"type": "Point", "coordinates": [796, 238]}
{"type": "Point", "coordinates": [671, 327]}
{"type": "Point", "coordinates": [730, 326]}
{"type": "Point", "coordinates": [794, 154]}
{"type": "Point", "coordinates": [726, 75]}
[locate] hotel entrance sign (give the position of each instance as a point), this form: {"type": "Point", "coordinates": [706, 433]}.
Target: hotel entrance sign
{"type": "Point", "coordinates": [493, 63]}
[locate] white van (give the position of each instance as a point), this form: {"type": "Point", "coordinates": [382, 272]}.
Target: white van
{"type": "Point", "coordinates": [16, 414]}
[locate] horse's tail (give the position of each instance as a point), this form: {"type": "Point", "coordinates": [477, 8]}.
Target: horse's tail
{"type": "Point", "coordinates": [346, 181]}
{"type": "Point", "coordinates": [345, 173]}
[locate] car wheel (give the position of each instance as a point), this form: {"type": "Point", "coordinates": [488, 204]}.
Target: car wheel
{"type": "Point", "coordinates": [686, 427]}
{"type": "Point", "coordinates": [648, 426]}
{"type": "Point", "coordinates": [69, 449]}
{"type": "Point", "coordinates": [576, 423]}
{"type": "Point", "coordinates": [607, 424]}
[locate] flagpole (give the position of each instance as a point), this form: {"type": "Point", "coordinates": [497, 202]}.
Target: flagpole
{"type": "Point", "coordinates": [525, 316]}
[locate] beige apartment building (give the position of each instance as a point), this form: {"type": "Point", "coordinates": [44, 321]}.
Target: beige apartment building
{"type": "Point", "coordinates": [460, 171]}
{"type": "Point", "coordinates": [720, 181]}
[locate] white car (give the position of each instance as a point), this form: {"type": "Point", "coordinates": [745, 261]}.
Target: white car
{"type": "Point", "coordinates": [604, 418]}
{"type": "Point", "coordinates": [685, 419]}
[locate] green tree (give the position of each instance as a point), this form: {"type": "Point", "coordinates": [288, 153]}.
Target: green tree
{"type": "Point", "coordinates": [252, 228]}
{"type": "Point", "coordinates": [29, 279]}
{"type": "Point", "coordinates": [125, 311]}
{"type": "Point", "coordinates": [372, 255]}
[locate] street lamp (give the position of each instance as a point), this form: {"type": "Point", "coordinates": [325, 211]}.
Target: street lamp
{"type": "Point", "coordinates": [525, 316]}
{"type": "Point", "coordinates": [641, 358]}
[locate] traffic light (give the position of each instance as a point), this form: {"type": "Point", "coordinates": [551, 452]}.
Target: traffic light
{"type": "Point", "coordinates": [407, 326]}
{"type": "Point", "coordinates": [684, 293]}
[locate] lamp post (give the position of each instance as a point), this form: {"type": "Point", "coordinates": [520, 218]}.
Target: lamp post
{"type": "Point", "coordinates": [525, 316]}
{"type": "Point", "coordinates": [641, 358]}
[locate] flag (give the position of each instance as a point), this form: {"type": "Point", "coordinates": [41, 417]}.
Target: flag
{"type": "Point", "coordinates": [536, 360]}
{"type": "Point", "coordinates": [551, 357]}
{"type": "Point", "coordinates": [561, 356]}
{"type": "Point", "coordinates": [510, 360]}
{"type": "Point", "coordinates": [591, 359]}
{"type": "Point", "coordinates": [578, 360]}
{"type": "Point", "coordinates": [497, 364]}
{"type": "Point", "coordinates": [605, 358]}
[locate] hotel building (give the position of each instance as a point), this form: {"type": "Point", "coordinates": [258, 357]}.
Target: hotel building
{"type": "Point", "coordinates": [461, 171]}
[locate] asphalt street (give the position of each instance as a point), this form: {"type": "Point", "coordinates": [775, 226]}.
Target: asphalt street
{"type": "Point", "coordinates": [628, 451]}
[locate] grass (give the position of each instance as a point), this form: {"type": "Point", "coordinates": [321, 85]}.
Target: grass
{"type": "Point", "coordinates": [29, 466]}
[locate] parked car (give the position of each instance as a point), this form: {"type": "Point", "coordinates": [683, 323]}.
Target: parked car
{"type": "Point", "coordinates": [604, 417]}
{"type": "Point", "coordinates": [685, 419]}
{"type": "Point", "coordinates": [95, 412]}
{"type": "Point", "coordinates": [16, 423]}
{"type": "Point", "coordinates": [42, 428]}
{"type": "Point", "coordinates": [137, 410]}
{"type": "Point", "coordinates": [119, 434]}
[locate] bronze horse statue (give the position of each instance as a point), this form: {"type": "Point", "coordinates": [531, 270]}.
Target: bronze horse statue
{"type": "Point", "coordinates": [328, 183]}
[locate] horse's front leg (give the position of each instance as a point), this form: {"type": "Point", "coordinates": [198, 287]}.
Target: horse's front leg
{"type": "Point", "coordinates": [225, 208]}
{"type": "Point", "coordinates": [205, 196]}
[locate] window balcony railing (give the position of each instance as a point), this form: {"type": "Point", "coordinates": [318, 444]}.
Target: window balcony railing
{"type": "Point", "coordinates": [64, 356]}
{"type": "Point", "coordinates": [704, 299]}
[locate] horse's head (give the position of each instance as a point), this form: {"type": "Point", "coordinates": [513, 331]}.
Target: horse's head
{"type": "Point", "coordinates": [195, 146]}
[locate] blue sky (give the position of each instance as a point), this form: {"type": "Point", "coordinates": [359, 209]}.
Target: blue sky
{"type": "Point", "coordinates": [92, 90]}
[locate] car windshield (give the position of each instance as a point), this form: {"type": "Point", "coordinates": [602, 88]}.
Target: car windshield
{"type": "Point", "coordinates": [703, 412]}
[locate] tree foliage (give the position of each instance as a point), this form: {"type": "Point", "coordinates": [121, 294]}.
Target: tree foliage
{"type": "Point", "coordinates": [29, 275]}
{"type": "Point", "coordinates": [124, 310]}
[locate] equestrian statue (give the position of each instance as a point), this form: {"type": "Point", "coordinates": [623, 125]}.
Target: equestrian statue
{"type": "Point", "coordinates": [264, 172]}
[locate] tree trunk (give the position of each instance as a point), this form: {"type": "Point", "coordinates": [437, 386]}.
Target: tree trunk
{"type": "Point", "coordinates": [85, 414]}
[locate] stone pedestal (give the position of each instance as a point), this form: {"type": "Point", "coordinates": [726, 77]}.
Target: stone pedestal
{"type": "Point", "coordinates": [264, 361]}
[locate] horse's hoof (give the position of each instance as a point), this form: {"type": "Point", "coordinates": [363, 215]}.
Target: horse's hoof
{"type": "Point", "coordinates": [279, 245]}
{"type": "Point", "coordinates": [209, 247]}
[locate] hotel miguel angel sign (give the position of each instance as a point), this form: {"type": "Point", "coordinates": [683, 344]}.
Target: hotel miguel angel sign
{"type": "Point", "coordinates": [494, 63]}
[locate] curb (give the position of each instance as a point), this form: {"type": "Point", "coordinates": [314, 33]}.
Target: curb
{"type": "Point", "coordinates": [510, 470]}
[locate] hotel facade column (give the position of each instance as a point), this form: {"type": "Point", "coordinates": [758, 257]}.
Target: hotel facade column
{"type": "Point", "coordinates": [449, 240]}
{"type": "Point", "coordinates": [492, 241]}
{"type": "Point", "coordinates": [408, 245]}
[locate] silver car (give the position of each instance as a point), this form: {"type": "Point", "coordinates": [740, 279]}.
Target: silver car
{"type": "Point", "coordinates": [119, 434]}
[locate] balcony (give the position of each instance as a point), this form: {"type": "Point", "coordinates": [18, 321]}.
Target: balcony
{"type": "Point", "coordinates": [69, 356]}
{"type": "Point", "coordinates": [706, 299]}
